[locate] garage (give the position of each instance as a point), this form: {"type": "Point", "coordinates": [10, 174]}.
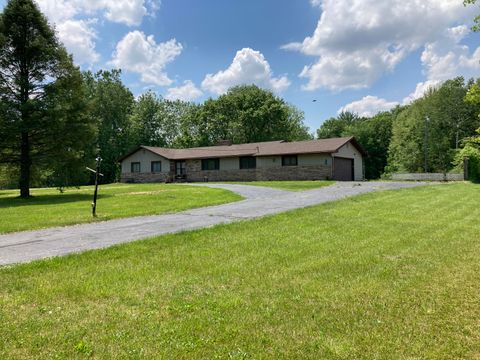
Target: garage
{"type": "Point", "coordinates": [343, 169]}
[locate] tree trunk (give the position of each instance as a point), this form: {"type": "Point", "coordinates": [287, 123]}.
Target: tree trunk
{"type": "Point", "coordinates": [25, 165]}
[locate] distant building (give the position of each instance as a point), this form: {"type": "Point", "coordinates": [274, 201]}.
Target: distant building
{"type": "Point", "coordinates": [338, 159]}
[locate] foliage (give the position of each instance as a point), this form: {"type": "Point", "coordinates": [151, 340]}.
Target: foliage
{"type": "Point", "coordinates": [471, 150]}
{"type": "Point", "coordinates": [49, 208]}
{"type": "Point", "coordinates": [372, 133]}
{"type": "Point", "coordinates": [426, 133]}
{"type": "Point", "coordinates": [44, 124]}
{"type": "Point", "coordinates": [112, 104]}
{"type": "Point", "coordinates": [389, 275]}
{"type": "Point", "coordinates": [338, 126]}
{"type": "Point", "coordinates": [246, 114]}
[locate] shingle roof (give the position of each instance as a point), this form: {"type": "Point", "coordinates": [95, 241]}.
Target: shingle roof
{"type": "Point", "coordinates": [254, 149]}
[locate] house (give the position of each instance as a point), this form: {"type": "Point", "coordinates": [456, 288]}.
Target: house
{"type": "Point", "coordinates": [337, 158]}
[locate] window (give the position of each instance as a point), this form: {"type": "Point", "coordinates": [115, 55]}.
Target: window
{"type": "Point", "coordinates": [289, 160]}
{"type": "Point", "coordinates": [156, 166]}
{"type": "Point", "coordinates": [210, 164]}
{"type": "Point", "coordinates": [248, 162]}
{"type": "Point", "coordinates": [135, 167]}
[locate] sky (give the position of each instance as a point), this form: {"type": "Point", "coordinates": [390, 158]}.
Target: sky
{"type": "Point", "coordinates": [323, 56]}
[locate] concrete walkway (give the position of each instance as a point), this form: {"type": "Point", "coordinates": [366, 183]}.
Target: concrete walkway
{"type": "Point", "coordinates": [259, 201]}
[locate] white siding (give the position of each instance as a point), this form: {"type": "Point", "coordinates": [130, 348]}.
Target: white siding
{"type": "Point", "coordinates": [145, 158]}
{"type": "Point", "coordinates": [350, 152]}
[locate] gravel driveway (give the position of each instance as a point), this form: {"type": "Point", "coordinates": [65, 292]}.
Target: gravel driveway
{"type": "Point", "coordinates": [259, 201]}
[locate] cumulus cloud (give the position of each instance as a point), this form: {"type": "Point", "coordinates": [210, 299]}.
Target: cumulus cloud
{"type": "Point", "coordinates": [58, 10]}
{"type": "Point", "coordinates": [128, 12]}
{"type": "Point", "coordinates": [139, 53]}
{"type": "Point", "coordinates": [447, 58]}
{"type": "Point", "coordinates": [75, 21]}
{"type": "Point", "coordinates": [186, 92]}
{"type": "Point", "coordinates": [357, 41]}
{"type": "Point", "coordinates": [421, 89]}
{"type": "Point", "coordinates": [248, 67]}
{"type": "Point", "coordinates": [78, 36]}
{"type": "Point", "coordinates": [444, 59]}
{"type": "Point", "coordinates": [369, 106]}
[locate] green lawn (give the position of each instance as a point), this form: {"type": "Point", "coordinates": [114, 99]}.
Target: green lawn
{"type": "Point", "coordinates": [391, 275]}
{"type": "Point", "coordinates": [49, 208]}
{"type": "Point", "coordinates": [288, 185]}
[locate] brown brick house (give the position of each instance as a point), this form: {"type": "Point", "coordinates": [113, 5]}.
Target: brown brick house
{"type": "Point", "coordinates": [336, 158]}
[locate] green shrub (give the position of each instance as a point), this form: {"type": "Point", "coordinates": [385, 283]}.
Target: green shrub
{"type": "Point", "coordinates": [471, 150]}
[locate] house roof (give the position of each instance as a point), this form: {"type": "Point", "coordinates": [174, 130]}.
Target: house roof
{"type": "Point", "coordinates": [254, 149]}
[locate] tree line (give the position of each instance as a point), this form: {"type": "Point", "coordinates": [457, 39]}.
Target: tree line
{"type": "Point", "coordinates": [432, 134]}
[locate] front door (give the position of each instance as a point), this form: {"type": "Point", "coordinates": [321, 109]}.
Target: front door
{"type": "Point", "coordinates": [180, 168]}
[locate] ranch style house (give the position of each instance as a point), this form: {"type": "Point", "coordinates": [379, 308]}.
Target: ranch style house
{"type": "Point", "coordinates": [337, 158]}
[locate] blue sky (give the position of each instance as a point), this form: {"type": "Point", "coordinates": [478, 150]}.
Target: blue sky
{"type": "Point", "coordinates": [359, 55]}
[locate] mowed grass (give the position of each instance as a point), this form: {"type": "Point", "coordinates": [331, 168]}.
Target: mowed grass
{"type": "Point", "coordinates": [389, 275]}
{"type": "Point", "coordinates": [289, 185]}
{"type": "Point", "coordinates": [48, 207]}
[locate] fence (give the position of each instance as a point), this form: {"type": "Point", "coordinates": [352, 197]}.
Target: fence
{"type": "Point", "coordinates": [428, 177]}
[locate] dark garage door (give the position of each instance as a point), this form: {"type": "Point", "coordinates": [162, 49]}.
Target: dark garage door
{"type": "Point", "coordinates": [343, 169]}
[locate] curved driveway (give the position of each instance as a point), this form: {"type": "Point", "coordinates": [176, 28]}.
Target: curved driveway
{"type": "Point", "coordinates": [259, 201]}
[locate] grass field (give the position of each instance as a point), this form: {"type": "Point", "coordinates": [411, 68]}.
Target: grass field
{"type": "Point", "coordinates": [288, 185]}
{"type": "Point", "coordinates": [48, 207]}
{"type": "Point", "coordinates": [390, 275]}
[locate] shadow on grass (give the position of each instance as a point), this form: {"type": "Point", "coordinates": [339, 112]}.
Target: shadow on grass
{"type": "Point", "coordinates": [50, 199]}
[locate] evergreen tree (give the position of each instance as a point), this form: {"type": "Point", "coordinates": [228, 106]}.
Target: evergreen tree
{"type": "Point", "coordinates": [43, 122]}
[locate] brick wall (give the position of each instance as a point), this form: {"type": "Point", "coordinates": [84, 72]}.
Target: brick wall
{"type": "Point", "coordinates": [143, 177]}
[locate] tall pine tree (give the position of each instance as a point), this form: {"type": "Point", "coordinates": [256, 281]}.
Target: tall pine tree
{"type": "Point", "coordinates": [43, 112]}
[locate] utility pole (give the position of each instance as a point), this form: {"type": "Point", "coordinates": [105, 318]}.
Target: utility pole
{"type": "Point", "coordinates": [97, 174]}
{"type": "Point", "coordinates": [425, 146]}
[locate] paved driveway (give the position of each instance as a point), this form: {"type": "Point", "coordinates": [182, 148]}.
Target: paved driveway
{"type": "Point", "coordinates": [259, 201]}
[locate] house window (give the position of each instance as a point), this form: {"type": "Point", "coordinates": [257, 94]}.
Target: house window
{"type": "Point", "coordinates": [210, 164]}
{"type": "Point", "coordinates": [135, 167]}
{"type": "Point", "coordinates": [289, 160]}
{"type": "Point", "coordinates": [248, 162]}
{"type": "Point", "coordinates": [156, 166]}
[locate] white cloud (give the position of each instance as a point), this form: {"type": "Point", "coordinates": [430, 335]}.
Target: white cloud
{"type": "Point", "coordinates": [128, 12]}
{"type": "Point", "coordinates": [139, 53]}
{"type": "Point", "coordinates": [421, 89]}
{"type": "Point", "coordinates": [357, 41]}
{"type": "Point", "coordinates": [78, 36]}
{"type": "Point", "coordinates": [186, 92]}
{"type": "Point", "coordinates": [446, 58]}
{"type": "Point", "coordinates": [57, 10]}
{"type": "Point", "coordinates": [248, 67]}
{"type": "Point", "coordinates": [369, 106]}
